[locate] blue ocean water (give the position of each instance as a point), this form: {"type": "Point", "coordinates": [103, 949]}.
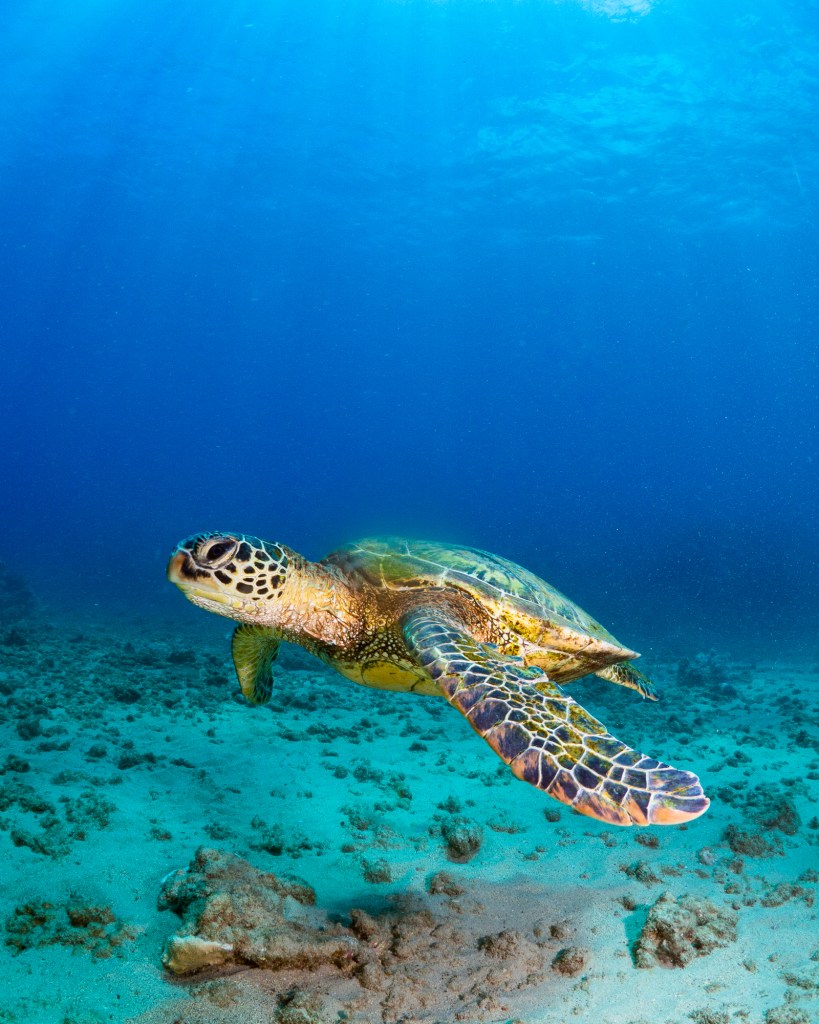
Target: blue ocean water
{"type": "Point", "coordinates": [539, 277]}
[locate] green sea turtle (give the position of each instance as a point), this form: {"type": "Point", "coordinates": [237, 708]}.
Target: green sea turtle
{"type": "Point", "coordinates": [494, 639]}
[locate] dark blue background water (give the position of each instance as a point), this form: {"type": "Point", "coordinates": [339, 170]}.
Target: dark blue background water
{"type": "Point", "coordinates": [533, 276]}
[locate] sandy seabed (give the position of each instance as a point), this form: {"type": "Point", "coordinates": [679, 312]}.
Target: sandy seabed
{"type": "Point", "coordinates": [345, 854]}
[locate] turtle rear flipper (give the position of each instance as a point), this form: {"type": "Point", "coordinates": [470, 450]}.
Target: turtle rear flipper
{"type": "Point", "coordinates": [546, 738]}
{"type": "Point", "coordinates": [254, 650]}
{"type": "Point", "coordinates": [625, 674]}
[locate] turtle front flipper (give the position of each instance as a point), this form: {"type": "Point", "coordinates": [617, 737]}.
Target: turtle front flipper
{"type": "Point", "coordinates": [545, 737]}
{"type": "Point", "coordinates": [254, 650]}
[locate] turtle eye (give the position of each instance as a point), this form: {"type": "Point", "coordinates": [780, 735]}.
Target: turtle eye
{"type": "Point", "coordinates": [216, 551]}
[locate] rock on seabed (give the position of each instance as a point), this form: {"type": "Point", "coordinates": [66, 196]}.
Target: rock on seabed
{"type": "Point", "coordinates": [678, 931]}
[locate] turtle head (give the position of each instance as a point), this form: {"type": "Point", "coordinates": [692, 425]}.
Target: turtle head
{"type": "Point", "coordinates": [231, 574]}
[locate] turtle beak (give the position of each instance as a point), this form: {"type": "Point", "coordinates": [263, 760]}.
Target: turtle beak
{"type": "Point", "coordinates": [198, 585]}
{"type": "Point", "coordinates": [191, 580]}
{"type": "Point", "coordinates": [181, 569]}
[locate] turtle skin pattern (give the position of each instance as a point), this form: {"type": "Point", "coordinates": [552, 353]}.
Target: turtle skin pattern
{"type": "Point", "coordinates": [546, 738]}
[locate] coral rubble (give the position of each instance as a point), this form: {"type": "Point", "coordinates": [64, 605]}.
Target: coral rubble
{"type": "Point", "coordinates": [390, 963]}
{"type": "Point", "coordinates": [678, 931]}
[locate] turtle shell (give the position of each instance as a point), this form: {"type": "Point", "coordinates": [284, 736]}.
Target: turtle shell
{"type": "Point", "coordinates": [522, 601]}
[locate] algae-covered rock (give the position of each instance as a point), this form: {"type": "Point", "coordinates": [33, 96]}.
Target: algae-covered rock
{"type": "Point", "coordinates": [750, 842]}
{"type": "Point", "coordinates": [571, 961]}
{"type": "Point", "coordinates": [376, 871]}
{"type": "Point", "coordinates": [443, 884]}
{"type": "Point", "coordinates": [678, 931]}
{"type": "Point", "coordinates": [786, 1015]}
{"type": "Point", "coordinates": [77, 924]}
{"type": "Point", "coordinates": [462, 838]}
{"type": "Point", "coordinates": [772, 807]}
{"type": "Point", "coordinates": [768, 810]}
{"type": "Point", "coordinates": [384, 966]}
{"type": "Point", "coordinates": [709, 671]}
{"type": "Point", "coordinates": [707, 1016]}
{"type": "Point", "coordinates": [641, 872]}
{"type": "Point", "coordinates": [233, 913]}
{"type": "Point", "coordinates": [785, 891]}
